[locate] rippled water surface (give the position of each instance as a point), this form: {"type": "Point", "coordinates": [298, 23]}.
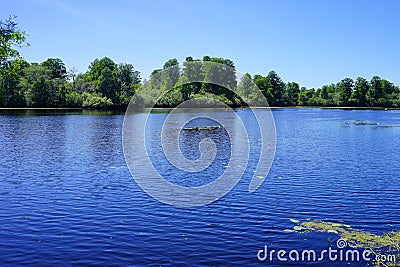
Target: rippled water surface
{"type": "Point", "coordinates": [67, 197]}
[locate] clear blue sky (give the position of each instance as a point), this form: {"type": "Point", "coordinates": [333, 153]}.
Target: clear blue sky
{"type": "Point", "coordinates": [313, 42]}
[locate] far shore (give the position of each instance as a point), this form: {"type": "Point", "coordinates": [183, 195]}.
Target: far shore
{"type": "Point", "coordinates": [41, 108]}
{"type": "Point", "coordinates": [110, 109]}
{"type": "Point", "coordinates": [324, 107]}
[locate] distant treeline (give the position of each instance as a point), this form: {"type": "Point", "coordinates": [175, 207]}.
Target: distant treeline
{"type": "Point", "coordinates": [109, 85]}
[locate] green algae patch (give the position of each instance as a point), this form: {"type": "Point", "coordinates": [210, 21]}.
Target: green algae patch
{"type": "Point", "coordinates": [384, 244]}
{"type": "Point", "coordinates": [321, 226]}
{"type": "Point", "coordinates": [362, 239]}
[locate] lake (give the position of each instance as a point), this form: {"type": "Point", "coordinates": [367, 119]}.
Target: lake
{"type": "Point", "coordinates": [68, 198]}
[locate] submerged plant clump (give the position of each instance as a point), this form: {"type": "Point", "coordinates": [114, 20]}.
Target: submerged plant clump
{"type": "Point", "coordinates": [385, 244]}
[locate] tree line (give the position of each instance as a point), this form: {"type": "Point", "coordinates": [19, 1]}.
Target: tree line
{"type": "Point", "coordinates": [107, 84]}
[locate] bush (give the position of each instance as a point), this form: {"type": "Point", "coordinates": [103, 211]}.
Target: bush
{"type": "Point", "coordinates": [73, 100]}
{"type": "Point", "coordinates": [93, 100]}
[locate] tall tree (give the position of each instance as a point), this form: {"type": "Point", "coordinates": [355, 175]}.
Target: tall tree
{"type": "Point", "coordinates": [249, 91]}
{"type": "Point", "coordinates": [246, 86]}
{"type": "Point", "coordinates": [171, 68]}
{"type": "Point", "coordinates": [262, 84]}
{"type": "Point", "coordinates": [292, 93]}
{"type": "Point", "coordinates": [324, 92]}
{"type": "Point", "coordinates": [57, 68]}
{"type": "Point", "coordinates": [185, 87]}
{"type": "Point", "coordinates": [10, 37]}
{"type": "Point", "coordinates": [361, 88]}
{"type": "Point", "coordinates": [192, 69]}
{"type": "Point", "coordinates": [375, 91]}
{"type": "Point", "coordinates": [11, 63]}
{"type": "Point", "coordinates": [11, 93]}
{"type": "Point", "coordinates": [275, 89]}
{"type": "Point", "coordinates": [97, 66]}
{"type": "Point", "coordinates": [41, 90]}
{"type": "Point", "coordinates": [128, 81]}
{"type": "Point", "coordinates": [220, 79]}
{"type": "Point", "coordinates": [101, 78]}
{"type": "Point", "coordinates": [345, 88]}
{"type": "Point", "coordinates": [108, 86]}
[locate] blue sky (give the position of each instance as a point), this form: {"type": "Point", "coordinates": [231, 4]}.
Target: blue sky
{"type": "Point", "coordinates": [312, 42]}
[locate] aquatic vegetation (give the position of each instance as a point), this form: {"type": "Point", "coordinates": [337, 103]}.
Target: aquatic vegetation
{"type": "Point", "coordinates": [389, 126]}
{"type": "Point", "coordinates": [203, 128]}
{"type": "Point", "coordinates": [360, 122]}
{"type": "Point", "coordinates": [385, 244]}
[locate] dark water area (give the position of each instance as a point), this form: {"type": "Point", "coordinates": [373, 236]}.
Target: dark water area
{"type": "Point", "coordinates": [67, 196]}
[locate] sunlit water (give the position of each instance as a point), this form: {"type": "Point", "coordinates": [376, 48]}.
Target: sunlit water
{"type": "Point", "coordinates": [67, 198]}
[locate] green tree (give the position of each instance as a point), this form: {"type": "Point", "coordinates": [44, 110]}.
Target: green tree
{"type": "Point", "coordinates": [172, 96]}
{"type": "Point", "coordinates": [262, 83]}
{"type": "Point", "coordinates": [361, 88]}
{"type": "Point", "coordinates": [276, 88]}
{"type": "Point", "coordinates": [220, 79]}
{"type": "Point", "coordinates": [11, 64]}
{"type": "Point", "coordinates": [41, 90]}
{"type": "Point", "coordinates": [185, 87]}
{"type": "Point", "coordinates": [206, 58]}
{"type": "Point", "coordinates": [306, 96]}
{"type": "Point", "coordinates": [107, 84]}
{"type": "Point", "coordinates": [102, 78]}
{"type": "Point", "coordinates": [57, 68]}
{"type": "Point", "coordinates": [246, 86]}
{"type": "Point", "coordinates": [171, 68]}
{"type": "Point", "coordinates": [273, 88]}
{"type": "Point", "coordinates": [251, 94]}
{"type": "Point", "coordinates": [97, 66]}
{"type": "Point", "coordinates": [128, 81]}
{"type": "Point", "coordinates": [292, 93]}
{"type": "Point", "coordinates": [192, 69]}
{"type": "Point", "coordinates": [10, 37]}
{"type": "Point", "coordinates": [345, 88]}
{"type": "Point", "coordinates": [375, 91]}
{"type": "Point", "coordinates": [11, 93]}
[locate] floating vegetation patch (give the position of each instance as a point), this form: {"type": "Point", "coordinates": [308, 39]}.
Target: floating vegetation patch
{"type": "Point", "coordinates": [360, 122]}
{"type": "Point", "coordinates": [348, 124]}
{"type": "Point", "coordinates": [389, 126]}
{"type": "Point", "coordinates": [118, 167]}
{"type": "Point", "coordinates": [202, 128]}
{"type": "Point", "coordinates": [385, 244]}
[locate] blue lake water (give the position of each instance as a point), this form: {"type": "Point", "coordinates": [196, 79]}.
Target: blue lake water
{"type": "Point", "coordinates": [67, 197]}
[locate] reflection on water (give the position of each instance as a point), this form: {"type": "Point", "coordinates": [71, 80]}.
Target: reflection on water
{"type": "Point", "coordinates": [67, 198]}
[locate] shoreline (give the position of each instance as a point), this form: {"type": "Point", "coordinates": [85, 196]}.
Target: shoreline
{"type": "Point", "coordinates": [324, 107]}
{"type": "Point", "coordinates": [274, 107]}
{"type": "Point", "coordinates": [41, 108]}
